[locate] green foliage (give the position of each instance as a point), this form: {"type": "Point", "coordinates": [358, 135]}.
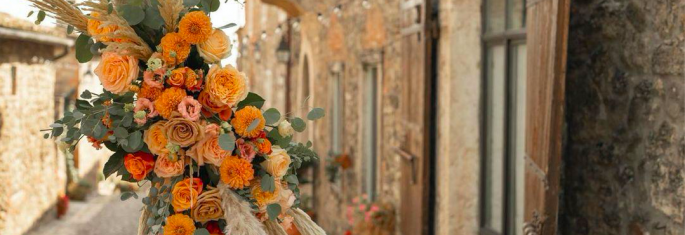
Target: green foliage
{"type": "Point", "coordinates": [252, 99]}
{"type": "Point", "coordinates": [210, 5]}
{"type": "Point", "coordinates": [315, 114]}
{"type": "Point", "coordinates": [273, 210]}
{"type": "Point", "coordinates": [114, 163]}
{"type": "Point", "coordinates": [82, 47]}
{"type": "Point", "coordinates": [267, 183]}
{"type": "Point", "coordinates": [227, 142]}
{"type": "Point", "coordinates": [229, 25]}
{"type": "Point", "coordinates": [127, 195]}
{"type": "Point", "coordinates": [300, 153]}
{"type": "Point", "coordinates": [201, 231]}
{"type": "Point", "coordinates": [190, 3]}
{"type": "Point", "coordinates": [152, 17]}
{"type": "Point", "coordinates": [132, 13]}
{"type": "Point", "coordinates": [298, 124]}
{"type": "Point", "coordinates": [271, 116]}
{"type": "Point", "coordinates": [276, 138]}
{"type": "Point", "coordinates": [253, 125]}
{"type": "Point", "coordinates": [40, 17]}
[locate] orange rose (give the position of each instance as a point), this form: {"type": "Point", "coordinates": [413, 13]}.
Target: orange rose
{"type": "Point", "coordinates": [208, 150]}
{"type": "Point", "coordinates": [264, 198]}
{"type": "Point", "coordinates": [165, 168]}
{"type": "Point", "coordinates": [216, 48]}
{"type": "Point", "coordinates": [277, 162]}
{"type": "Point", "coordinates": [209, 107]}
{"type": "Point", "coordinates": [208, 206]}
{"type": "Point", "coordinates": [117, 72]}
{"type": "Point", "coordinates": [226, 86]}
{"type": "Point", "coordinates": [139, 164]}
{"type": "Point", "coordinates": [183, 132]}
{"type": "Point", "coordinates": [155, 138]}
{"type": "Point", "coordinates": [178, 76]}
{"type": "Point", "coordinates": [184, 196]}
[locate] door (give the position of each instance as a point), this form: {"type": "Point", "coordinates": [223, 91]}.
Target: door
{"type": "Point", "coordinates": [417, 115]}
{"type": "Point", "coordinates": [547, 31]}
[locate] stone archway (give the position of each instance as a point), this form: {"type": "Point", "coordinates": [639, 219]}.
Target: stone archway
{"type": "Point", "coordinates": [292, 8]}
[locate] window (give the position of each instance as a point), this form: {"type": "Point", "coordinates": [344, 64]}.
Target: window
{"type": "Point", "coordinates": [336, 109]}
{"type": "Point", "coordinates": [504, 111]}
{"type": "Point", "coordinates": [14, 80]}
{"type": "Point", "coordinates": [369, 129]}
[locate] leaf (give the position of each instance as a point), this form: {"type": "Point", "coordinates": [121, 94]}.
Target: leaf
{"type": "Point", "coordinates": [110, 8]}
{"type": "Point", "coordinates": [190, 3]}
{"type": "Point", "coordinates": [252, 99]}
{"type": "Point", "coordinates": [271, 116]}
{"type": "Point", "coordinates": [127, 120]}
{"type": "Point", "coordinates": [131, 13]}
{"type": "Point", "coordinates": [229, 25]}
{"type": "Point", "coordinates": [279, 140]}
{"type": "Point", "coordinates": [30, 13]}
{"type": "Point", "coordinates": [273, 210]}
{"type": "Point", "coordinates": [201, 231]}
{"type": "Point", "coordinates": [315, 113]}
{"type": "Point", "coordinates": [86, 94]}
{"type": "Point", "coordinates": [41, 17]}
{"type": "Point", "coordinates": [298, 124]}
{"type": "Point", "coordinates": [253, 125]}
{"type": "Point", "coordinates": [120, 132]}
{"type": "Point", "coordinates": [70, 29]}
{"type": "Point", "coordinates": [99, 131]}
{"type": "Point", "coordinates": [292, 179]}
{"type": "Point", "coordinates": [227, 142]}
{"type": "Point", "coordinates": [267, 183]}
{"type": "Point", "coordinates": [135, 141]}
{"type": "Point", "coordinates": [82, 47]}
{"type": "Point", "coordinates": [152, 18]}
{"type": "Point", "coordinates": [113, 163]}
{"type": "Point", "coordinates": [127, 195]}
{"type": "Point", "coordinates": [210, 5]}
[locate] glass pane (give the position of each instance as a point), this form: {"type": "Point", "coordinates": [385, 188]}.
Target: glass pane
{"type": "Point", "coordinates": [369, 131]}
{"type": "Point", "coordinates": [336, 114]}
{"type": "Point", "coordinates": [516, 14]}
{"type": "Point", "coordinates": [495, 151]}
{"type": "Point", "coordinates": [494, 15]}
{"type": "Point", "coordinates": [518, 135]}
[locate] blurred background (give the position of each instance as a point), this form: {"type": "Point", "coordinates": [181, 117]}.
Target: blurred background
{"type": "Point", "coordinates": [442, 116]}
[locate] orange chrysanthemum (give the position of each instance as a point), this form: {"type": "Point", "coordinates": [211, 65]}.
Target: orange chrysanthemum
{"type": "Point", "coordinates": [149, 92]}
{"type": "Point", "coordinates": [236, 172]}
{"type": "Point", "coordinates": [169, 100]}
{"type": "Point", "coordinates": [174, 49]}
{"type": "Point", "coordinates": [244, 118]}
{"type": "Point", "coordinates": [195, 27]}
{"type": "Point", "coordinates": [179, 224]}
{"type": "Point", "coordinates": [263, 145]}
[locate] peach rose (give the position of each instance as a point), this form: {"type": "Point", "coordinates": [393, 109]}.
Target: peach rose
{"type": "Point", "coordinates": [117, 72]}
{"type": "Point", "coordinates": [216, 47]}
{"type": "Point", "coordinates": [209, 107]}
{"type": "Point", "coordinates": [155, 138]}
{"type": "Point", "coordinates": [139, 164]}
{"type": "Point", "coordinates": [208, 206]}
{"type": "Point", "coordinates": [208, 150]}
{"type": "Point", "coordinates": [226, 86]}
{"type": "Point", "coordinates": [190, 108]}
{"type": "Point", "coordinates": [286, 198]}
{"type": "Point", "coordinates": [143, 104]}
{"type": "Point", "coordinates": [183, 132]}
{"type": "Point", "coordinates": [246, 150]}
{"type": "Point", "coordinates": [184, 195]}
{"type": "Point", "coordinates": [166, 168]}
{"type": "Point", "coordinates": [277, 162]}
{"type": "Point", "coordinates": [178, 77]}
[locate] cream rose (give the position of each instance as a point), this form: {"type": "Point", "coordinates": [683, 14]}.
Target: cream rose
{"type": "Point", "coordinates": [165, 168]}
{"type": "Point", "coordinates": [277, 162]}
{"type": "Point", "coordinates": [116, 72]}
{"type": "Point", "coordinates": [216, 47]}
{"type": "Point", "coordinates": [183, 132]}
{"type": "Point", "coordinates": [285, 129]}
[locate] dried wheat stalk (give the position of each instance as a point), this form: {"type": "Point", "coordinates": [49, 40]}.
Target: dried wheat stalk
{"type": "Point", "coordinates": [238, 214]}
{"type": "Point", "coordinates": [170, 10]}
{"type": "Point", "coordinates": [63, 11]}
{"type": "Point", "coordinates": [128, 42]}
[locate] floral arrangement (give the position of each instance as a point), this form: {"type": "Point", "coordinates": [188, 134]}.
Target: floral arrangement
{"type": "Point", "coordinates": [217, 163]}
{"type": "Point", "coordinates": [367, 217]}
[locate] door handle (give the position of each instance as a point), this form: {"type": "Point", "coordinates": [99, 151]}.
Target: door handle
{"type": "Point", "coordinates": [411, 159]}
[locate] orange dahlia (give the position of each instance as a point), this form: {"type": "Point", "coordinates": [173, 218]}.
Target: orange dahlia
{"type": "Point", "coordinates": [174, 49]}
{"type": "Point", "coordinates": [149, 92]}
{"type": "Point", "coordinates": [263, 145]}
{"type": "Point", "coordinates": [236, 172]}
{"type": "Point", "coordinates": [195, 27]}
{"type": "Point", "coordinates": [244, 118]}
{"type": "Point", "coordinates": [179, 224]}
{"type": "Point", "coordinates": [169, 100]}
{"type": "Point", "coordinates": [225, 86]}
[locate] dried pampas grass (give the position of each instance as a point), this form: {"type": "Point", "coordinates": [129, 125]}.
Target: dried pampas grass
{"type": "Point", "coordinates": [124, 41]}
{"type": "Point", "coordinates": [238, 214]}
{"type": "Point", "coordinates": [273, 228]}
{"type": "Point", "coordinates": [63, 11]}
{"type": "Point", "coordinates": [170, 10]}
{"type": "Point", "coordinates": [305, 224]}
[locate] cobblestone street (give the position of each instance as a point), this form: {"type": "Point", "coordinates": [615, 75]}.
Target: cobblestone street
{"type": "Point", "coordinates": [100, 215]}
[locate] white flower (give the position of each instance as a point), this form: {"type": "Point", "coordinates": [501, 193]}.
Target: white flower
{"type": "Point", "coordinates": [285, 129]}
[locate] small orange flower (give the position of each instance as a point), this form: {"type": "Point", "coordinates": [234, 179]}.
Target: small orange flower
{"type": "Point", "coordinates": [209, 107]}
{"type": "Point", "coordinates": [96, 29]}
{"type": "Point", "coordinates": [195, 27]}
{"type": "Point", "coordinates": [179, 224]}
{"type": "Point", "coordinates": [244, 118]}
{"type": "Point", "coordinates": [139, 164]}
{"type": "Point", "coordinates": [149, 92]}
{"type": "Point", "coordinates": [174, 49]}
{"type": "Point", "coordinates": [236, 172]}
{"type": "Point", "coordinates": [263, 145]}
{"type": "Point", "coordinates": [168, 102]}
{"type": "Point", "coordinates": [183, 196]}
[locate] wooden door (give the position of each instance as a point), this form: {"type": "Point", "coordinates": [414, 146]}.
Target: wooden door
{"type": "Point", "coordinates": [547, 29]}
{"type": "Point", "coordinates": [415, 149]}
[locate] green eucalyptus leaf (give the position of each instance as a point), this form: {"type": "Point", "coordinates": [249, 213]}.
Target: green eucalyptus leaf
{"type": "Point", "coordinates": [121, 132]}
{"type": "Point", "coordinates": [252, 99]}
{"type": "Point", "coordinates": [41, 17]}
{"type": "Point", "coordinates": [267, 183]}
{"type": "Point", "coordinates": [210, 5]}
{"type": "Point", "coordinates": [271, 116]}
{"type": "Point", "coordinates": [190, 3]}
{"type": "Point", "coordinates": [152, 18]}
{"type": "Point", "coordinates": [298, 124]}
{"type": "Point", "coordinates": [201, 231]}
{"type": "Point", "coordinates": [70, 29]}
{"type": "Point", "coordinates": [82, 47]}
{"type": "Point", "coordinates": [30, 13]}
{"type": "Point", "coordinates": [292, 179]}
{"type": "Point", "coordinates": [253, 125]}
{"type": "Point", "coordinates": [315, 113]}
{"type": "Point", "coordinates": [229, 25]}
{"type": "Point", "coordinates": [273, 210]}
{"type": "Point", "coordinates": [132, 13]}
{"type": "Point", "coordinates": [227, 142]}
{"type": "Point", "coordinates": [86, 94]}
{"type": "Point", "coordinates": [114, 163]}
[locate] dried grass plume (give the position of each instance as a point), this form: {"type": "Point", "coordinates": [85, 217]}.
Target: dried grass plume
{"type": "Point", "coordinates": [127, 41]}
{"type": "Point", "coordinates": [63, 11]}
{"type": "Point", "coordinates": [170, 10]}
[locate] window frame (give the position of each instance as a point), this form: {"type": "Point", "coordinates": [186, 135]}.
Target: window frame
{"type": "Point", "coordinates": [509, 38]}
{"type": "Point", "coordinates": [373, 173]}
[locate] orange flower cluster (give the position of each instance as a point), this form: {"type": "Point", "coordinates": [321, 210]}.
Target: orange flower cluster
{"type": "Point", "coordinates": [244, 118]}
{"type": "Point", "coordinates": [174, 49]}
{"type": "Point", "coordinates": [168, 102]}
{"type": "Point", "coordinates": [236, 172]}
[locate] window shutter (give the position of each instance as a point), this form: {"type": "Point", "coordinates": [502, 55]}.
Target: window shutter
{"type": "Point", "coordinates": [547, 32]}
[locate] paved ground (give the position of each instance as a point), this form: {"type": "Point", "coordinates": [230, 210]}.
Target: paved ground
{"type": "Point", "coordinates": [100, 215]}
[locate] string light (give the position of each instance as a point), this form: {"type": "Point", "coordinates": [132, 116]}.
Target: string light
{"type": "Point", "coordinates": [263, 34]}
{"type": "Point", "coordinates": [338, 10]}
{"type": "Point", "coordinates": [278, 29]}
{"type": "Point", "coordinates": [319, 16]}
{"type": "Point", "coordinates": [366, 4]}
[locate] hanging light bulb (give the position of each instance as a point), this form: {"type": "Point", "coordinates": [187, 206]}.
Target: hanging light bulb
{"type": "Point", "coordinates": [263, 34]}
{"type": "Point", "coordinates": [319, 16]}
{"type": "Point", "coordinates": [296, 24]}
{"type": "Point", "coordinates": [338, 10]}
{"type": "Point", "coordinates": [278, 29]}
{"type": "Point", "coordinates": [366, 4]}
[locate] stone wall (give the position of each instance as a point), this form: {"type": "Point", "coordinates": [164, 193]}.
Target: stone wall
{"type": "Point", "coordinates": [625, 148]}
{"type": "Point", "coordinates": [31, 171]}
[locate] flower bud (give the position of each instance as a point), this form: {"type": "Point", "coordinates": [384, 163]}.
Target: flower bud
{"type": "Point", "coordinates": [140, 114]}
{"type": "Point", "coordinates": [285, 129]}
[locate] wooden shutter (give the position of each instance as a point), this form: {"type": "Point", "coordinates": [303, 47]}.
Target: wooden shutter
{"type": "Point", "coordinates": [547, 31]}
